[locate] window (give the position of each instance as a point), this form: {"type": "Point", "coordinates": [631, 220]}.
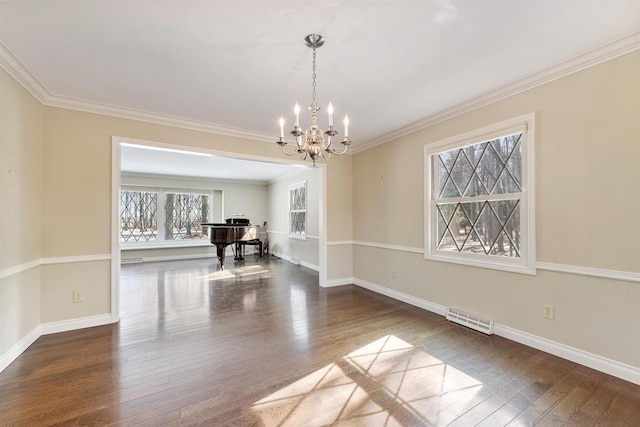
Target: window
{"type": "Point", "coordinates": [138, 216]}
{"type": "Point", "coordinates": [480, 199]}
{"type": "Point", "coordinates": [298, 210]}
{"type": "Point", "coordinates": [182, 215]}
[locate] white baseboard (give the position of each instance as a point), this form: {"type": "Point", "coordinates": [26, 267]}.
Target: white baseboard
{"type": "Point", "coordinates": [281, 256]}
{"type": "Point", "coordinates": [400, 296]}
{"type": "Point", "coordinates": [18, 348]}
{"type": "Point", "coordinates": [228, 254]}
{"type": "Point", "coordinates": [310, 266]}
{"type": "Point", "coordinates": [73, 324]}
{"type": "Point", "coordinates": [593, 361]}
{"type": "Point", "coordinates": [302, 263]}
{"type": "Point", "coordinates": [51, 328]}
{"type": "Point", "coordinates": [176, 257]}
{"type": "Point", "coordinates": [338, 282]}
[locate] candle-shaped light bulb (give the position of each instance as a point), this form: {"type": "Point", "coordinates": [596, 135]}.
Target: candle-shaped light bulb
{"type": "Point", "coordinates": [281, 121]}
{"type": "Point", "coordinates": [296, 110]}
{"type": "Point", "coordinates": [346, 126]}
{"type": "Point", "coordinates": [330, 111]}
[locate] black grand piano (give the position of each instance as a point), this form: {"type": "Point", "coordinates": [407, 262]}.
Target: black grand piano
{"type": "Point", "coordinates": [237, 231]}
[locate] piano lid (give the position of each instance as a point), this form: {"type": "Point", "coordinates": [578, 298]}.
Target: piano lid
{"type": "Point", "coordinates": [242, 221]}
{"type": "Point", "coordinates": [221, 232]}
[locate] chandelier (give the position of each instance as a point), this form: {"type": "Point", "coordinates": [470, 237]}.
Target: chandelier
{"type": "Point", "coordinates": [312, 142]}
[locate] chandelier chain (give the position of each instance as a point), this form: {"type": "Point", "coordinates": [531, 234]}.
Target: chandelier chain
{"type": "Point", "coordinates": [314, 76]}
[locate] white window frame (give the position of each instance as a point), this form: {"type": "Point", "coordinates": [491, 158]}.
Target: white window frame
{"type": "Point", "coordinates": [292, 187]}
{"type": "Point", "coordinates": [160, 212]}
{"type": "Point", "coordinates": [158, 231]}
{"type": "Point", "coordinates": [526, 264]}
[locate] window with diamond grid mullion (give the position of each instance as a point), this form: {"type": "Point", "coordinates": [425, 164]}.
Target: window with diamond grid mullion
{"type": "Point", "coordinates": [157, 216]}
{"type": "Point", "coordinates": [298, 210]}
{"type": "Point", "coordinates": [184, 215]}
{"type": "Point", "coordinates": [138, 216]}
{"type": "Point", "coordinates": [479, 170]}
{"type": "Point", "coordinates": [479, 200]}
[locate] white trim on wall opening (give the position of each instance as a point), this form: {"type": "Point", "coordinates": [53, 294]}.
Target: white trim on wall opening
{"type": "Point", "coordinates": [115, 203]}
{"type": "Point", "coordinates": [115, 228]}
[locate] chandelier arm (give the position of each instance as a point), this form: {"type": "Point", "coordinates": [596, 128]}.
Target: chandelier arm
{"type": "Point", "coordinates": [327, 146]}
{"type": "Point", "coordinates": [285, 151]}
{"type": "Point", "coordinates": [338, 153]}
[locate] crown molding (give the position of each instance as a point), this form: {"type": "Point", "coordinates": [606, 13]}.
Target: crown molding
{"type": "Point", "coordinates": [612, 50]}
{"type": "Point", "coordinates": [19, 72]}
{"type": "Point", "coordinates": [160, 119]}
{"type": "Point", "coordinates": [289, 175]}
{"type": "Point", "coordinates": [586, 60]}
{"type": "Point", "coordinates": [23, 76]}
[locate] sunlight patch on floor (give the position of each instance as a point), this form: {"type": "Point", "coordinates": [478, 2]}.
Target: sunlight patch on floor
{"type": "Point", "coordinates": [320, 398]}
{"type": "Point", "coordinates": [386, 382]}
{"type": "Point", "coordinates": [235, 273]}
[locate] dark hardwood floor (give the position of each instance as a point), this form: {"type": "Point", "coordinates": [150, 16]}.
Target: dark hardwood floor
{"type": "Point", "coordinates": [262, 344]}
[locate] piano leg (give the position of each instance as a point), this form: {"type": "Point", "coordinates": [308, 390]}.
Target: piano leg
{"type": "Point", "coordinates": [221, 250]}
{"type": "Point", "coordinates": [239, 255]}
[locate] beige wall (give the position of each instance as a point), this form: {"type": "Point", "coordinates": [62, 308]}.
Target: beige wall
{"type": "Point", "coordinates": [20, 211]}
{"type": "Point", "coordinates": [340, 209]}
{"type": "Point", "coordinates": [278, 217]}
{"type": "Point", "coordinates": [340, 199]}
{"type": "Point", "coordinates": [59, 281]}
{"type": "Point", "coordinates": [587, 210]}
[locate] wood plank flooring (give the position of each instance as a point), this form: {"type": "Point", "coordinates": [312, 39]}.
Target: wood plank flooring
{"type": "Point", "coordinates": [262, 345]}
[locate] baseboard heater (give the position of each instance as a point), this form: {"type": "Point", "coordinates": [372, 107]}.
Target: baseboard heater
{"type": "Point", "coordinates": [131, 260]}
{"type": "Point", "coordinates": [470, 321]}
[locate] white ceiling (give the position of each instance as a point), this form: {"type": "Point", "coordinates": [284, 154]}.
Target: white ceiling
{"type": "Point", "coordinates": [165, 161]}
{"type": "Point", "coordinates": [241, 64]}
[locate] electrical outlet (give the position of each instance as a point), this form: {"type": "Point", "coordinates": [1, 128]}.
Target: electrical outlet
{"type": "Point", "coordinates": [547, 311]}
{"type": "Point", "coordinates": [394, 275]}
{"type": "Point", "coordinates": [77, 297]}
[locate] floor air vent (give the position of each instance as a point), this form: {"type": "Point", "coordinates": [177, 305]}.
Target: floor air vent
{"type": "Point", "coordinates": [470, 321]}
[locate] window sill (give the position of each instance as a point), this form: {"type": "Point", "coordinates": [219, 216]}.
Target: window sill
{"type": "Point", "coordinates": [511, 267]}
{"type": "Point", "coordinates": [298, 236]}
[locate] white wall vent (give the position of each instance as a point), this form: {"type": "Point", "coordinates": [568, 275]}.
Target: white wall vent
{"type": "Point", "coordinates": [131, 260]}
{"type": "Point", "coordinates": [470, 321]}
